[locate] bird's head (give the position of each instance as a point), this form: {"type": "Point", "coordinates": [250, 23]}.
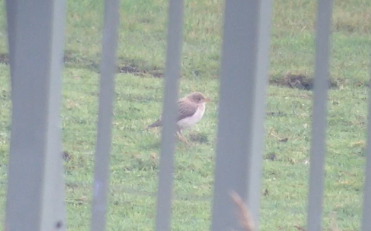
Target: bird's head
{"type": "Point", "coordinates": [198, 98]}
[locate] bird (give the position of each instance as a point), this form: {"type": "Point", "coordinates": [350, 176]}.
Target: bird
{"type": "Point", "coordinates": [191, 109]}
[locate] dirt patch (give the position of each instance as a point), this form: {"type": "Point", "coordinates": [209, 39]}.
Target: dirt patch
{"type": "Point", "coordinates": [5, 95]}
{"type": "Point", "coordinates": [271, 156]}
{"type": "Point", "coordinates": [72, 59]}
{"type": "Point", "coordinates": [276, 114]}
{"type": "Point", "coordinates": [199, 138]}
{"type": "Point", "coordinates": [135, 70]}
{"type": "Point", "coordinates": [351, 22]}
{"type": "Point", "coordinates": [66, 156]}
{"type": "Point", "coordinates": [4, 59]}
{"type": "Point", "coordinates": [76, 61]}
{"type": "Point", "coordinates": [299, 81]}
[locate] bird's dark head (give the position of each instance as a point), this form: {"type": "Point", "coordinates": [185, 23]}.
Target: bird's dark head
{"type": "Point", "coordinates": [197, 97]}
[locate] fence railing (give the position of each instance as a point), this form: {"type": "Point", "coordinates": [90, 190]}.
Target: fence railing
{"type": "Point", "coordinates": [36, 38]}
{"type": "Point", "coordinates": [35, 194]}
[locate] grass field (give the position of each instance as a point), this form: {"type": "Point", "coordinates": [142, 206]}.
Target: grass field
{"type": "Point", "coordinates": [138, 98]}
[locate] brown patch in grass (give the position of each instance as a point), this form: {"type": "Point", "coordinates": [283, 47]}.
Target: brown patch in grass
{"type": "Point", "coordinates": [154, 158]}
{"type": "Point", "coordinates": [299, 81]}
{"type": "Point", "coordinates": [352, 22]}
{"type": "Point", "coordinates": [299, 228]}
{"type": "Point", "coordinates": [66, 156]}
{"type": "Point", "coordinates": [274, 134]}
{"type": "Point", "coordinates": [135, 70]}
{"type": "Point", "coordinates": [4, 58]}
{"type": "Point", "coordinates": [271, 156]}
{"type": "Point", "coordinates": [333, 226]}
{"type": "Point", "coordinates": [276, 114]}
{"type": "Point", "coordinates": [73, 59]}
{"type": "Point", "coordinates": [198, 137]}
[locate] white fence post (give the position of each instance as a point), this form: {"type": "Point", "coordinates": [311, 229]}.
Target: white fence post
{"type": "Point", "coordinates": [244, 79]}
{"type": "Point", "coordinates": [172, 74]}
{"type": "Point", "coordinates": [366, 220]}
{"type": "Point", "coordinates": [104, 137]}
{"type": "Point", "coordinates": [319, 124]}
{"type": "Point", "coordinates": [35, 196]}
{"type": "Point", "coordinates": [11, 17]}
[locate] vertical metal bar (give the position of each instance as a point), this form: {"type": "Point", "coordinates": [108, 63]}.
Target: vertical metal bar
{"type": "Point", "coordinates": [54, 174]}
{"type": "Point", "coordinates": [244, 78]}
{"type": "Point", "coordinates": [366, 220]}
{"type": "Point", "coordinates": [35, 161]}
{"type": "Point", "coordinates": [319, 124]}
{"type": "Point", "coordinates": [172, 73]}
{"type": "Point", "coordinates": [11, 17]}
{"type": "Point", "coordinates": [104, 138]}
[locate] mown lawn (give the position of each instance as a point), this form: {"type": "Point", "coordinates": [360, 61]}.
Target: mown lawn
{"type": "Point", "coordinates": [138, 99]}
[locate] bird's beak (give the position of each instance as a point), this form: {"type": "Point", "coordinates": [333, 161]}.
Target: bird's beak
{"type": "Point", "coordinates": [207, 100]}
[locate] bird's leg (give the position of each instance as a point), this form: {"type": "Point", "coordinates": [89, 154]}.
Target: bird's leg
{"type": "Point", "coordinates": [181, 137]}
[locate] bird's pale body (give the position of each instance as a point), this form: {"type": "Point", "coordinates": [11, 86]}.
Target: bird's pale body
{"type": "Point", "coordinates": [191, 109]}
{"type": "Point", "coordinates": [192, 120]}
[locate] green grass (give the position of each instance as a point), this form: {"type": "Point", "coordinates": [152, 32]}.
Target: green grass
{"type": "Point", "coordinates": [138, 99]}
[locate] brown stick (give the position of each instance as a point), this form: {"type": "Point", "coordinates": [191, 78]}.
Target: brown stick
{"type": "Point", "coordinates": [244, 214]}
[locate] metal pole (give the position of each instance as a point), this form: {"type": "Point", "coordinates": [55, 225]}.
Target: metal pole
{"type": "Point", "coordinates": [104, 138]}
{"type": "Point", "coordinates": [244, 79]}
{"type": "Point", "coordinates": [172, 73]}
{"type": "Point", "coordinates": [319, 124]}
{"type": "Point", "coordinates": [35, 161]}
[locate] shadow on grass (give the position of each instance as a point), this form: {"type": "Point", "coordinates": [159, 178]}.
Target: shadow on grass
{"type": "Point", "coordinates": [141, 69]}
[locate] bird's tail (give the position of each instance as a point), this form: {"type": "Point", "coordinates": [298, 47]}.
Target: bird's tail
{"type": "Point", "coordinates": [155, 124]}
